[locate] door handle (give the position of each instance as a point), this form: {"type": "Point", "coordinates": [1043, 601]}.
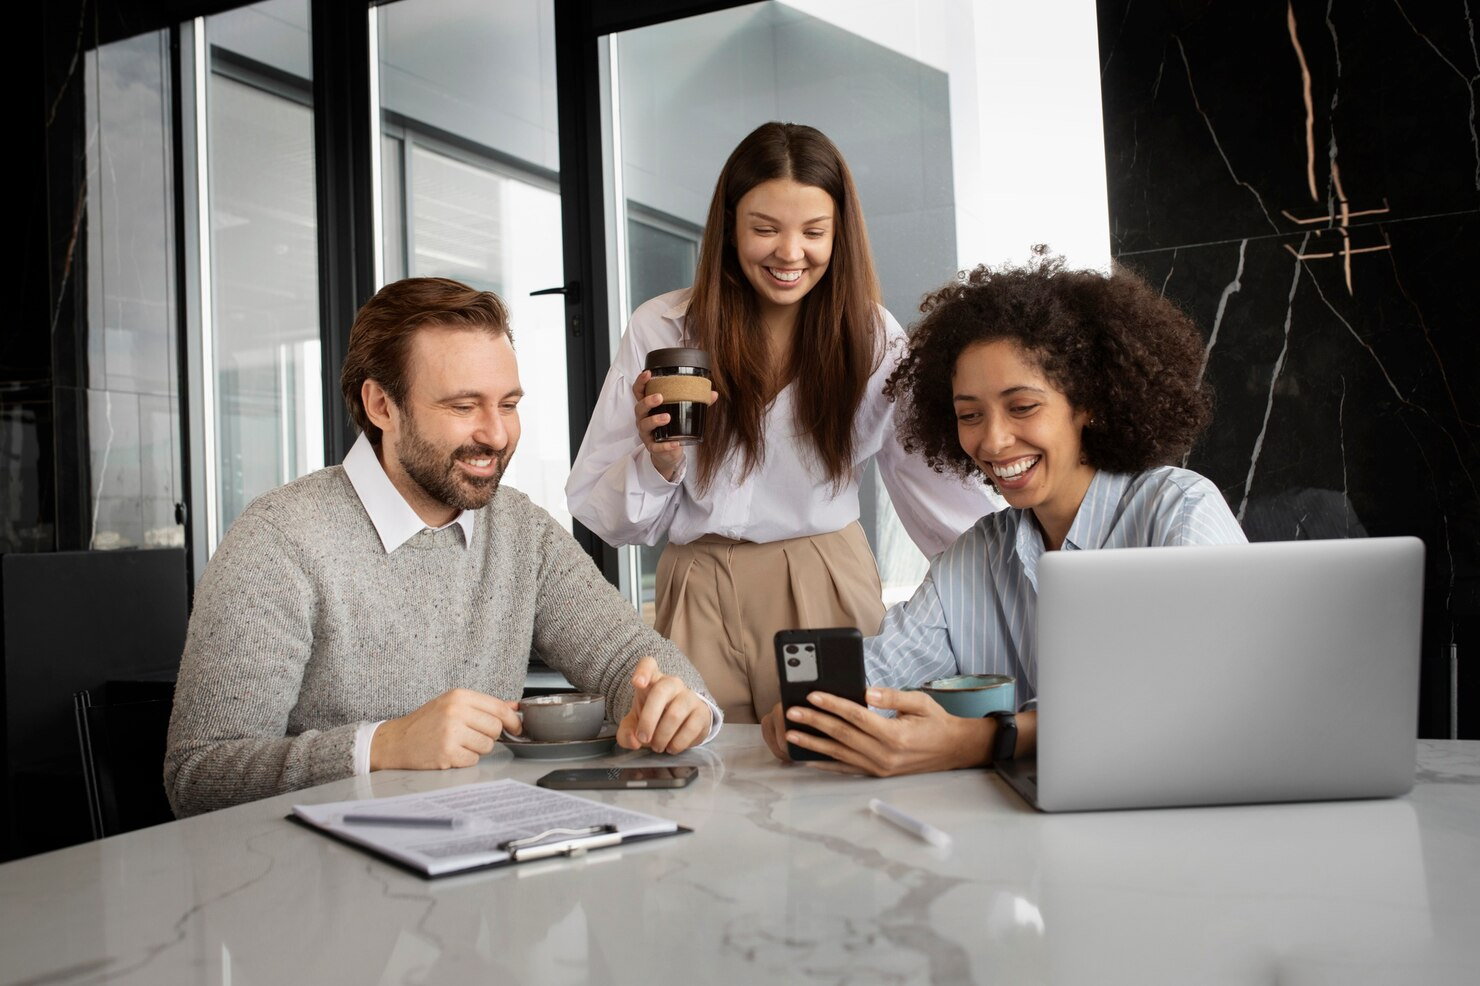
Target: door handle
{"type": "Point", "coordinates": [572, 292]}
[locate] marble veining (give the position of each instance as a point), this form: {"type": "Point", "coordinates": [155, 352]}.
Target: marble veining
{"type": "Point", "coordinates": [785, 877]}
{"type": "Point", "coordinates": [1274, 379]}
{"type": "Point", "coordinates": [79, 212]}
{"type": "Point", "coordinates": [1171, 266]}
{"type": "Point", "coordinates": [1468, 80]}
{"type": "Point", "coordinates": [1339, 138]}
{"type": "Point", "coordinates": [143, 958]}
{"type": "Point", "coordinates": [1232, 288]}
{"type": "Point", "coordinates": [905, 924]}
{"type": "Point", "coordinates": [1213, 134]}
{"type": "Point", "coordinates": [1338, 209]}
{"type": "Point", "coordinates": [397, 891]}
{"type": "Point", "coordinates": [1310, 109]}
{"type": "Point", "coordinates": [73, 66]}
{"type": "Point", "coordinates": [1445, 763]}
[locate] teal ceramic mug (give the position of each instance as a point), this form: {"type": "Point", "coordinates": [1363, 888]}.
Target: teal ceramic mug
{"type": "Point", "coordinates": [973, 695]}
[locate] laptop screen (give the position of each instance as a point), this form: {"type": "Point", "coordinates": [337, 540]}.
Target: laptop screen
{"type": "Point", "coordinates": [1275, 671]}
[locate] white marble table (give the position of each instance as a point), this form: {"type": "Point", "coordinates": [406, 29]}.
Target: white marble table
{"type": "Point", "coordinates": [787, 877]}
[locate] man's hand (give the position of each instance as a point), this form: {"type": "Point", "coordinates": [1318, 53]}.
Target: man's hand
{"type": "Point", "coordinates": [452, 730]}
{"type": "Point", "coordinates": [923, 737]}
{"type": "Point", "coordinates": [666, 715]}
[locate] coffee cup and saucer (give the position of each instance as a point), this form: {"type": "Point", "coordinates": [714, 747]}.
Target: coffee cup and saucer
{"type": "Point", "coordinates": [563, 726]}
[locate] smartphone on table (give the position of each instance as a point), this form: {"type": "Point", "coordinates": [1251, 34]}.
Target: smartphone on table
{"type": "Point", "coordinates": [826, 660]}
{"type": "Point", "coordinates": [607, 778]}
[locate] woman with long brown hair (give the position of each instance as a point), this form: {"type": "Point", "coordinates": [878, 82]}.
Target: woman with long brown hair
{"type": "Point", "coordinates": [762, 516]}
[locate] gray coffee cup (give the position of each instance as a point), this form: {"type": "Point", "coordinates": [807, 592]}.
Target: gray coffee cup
{"type": "Point", "coordinates": [563, 716]}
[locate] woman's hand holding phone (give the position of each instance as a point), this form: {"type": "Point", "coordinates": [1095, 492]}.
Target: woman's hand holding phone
{"type": "Point", "coordinates": [827, 661]}
{"type": "Point", "coordinates": [923, 737]}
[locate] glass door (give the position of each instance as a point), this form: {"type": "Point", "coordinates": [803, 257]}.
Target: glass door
{"type": "Point", "coordinates": [470, 190]}
{"type": "Point", "coordinates": [260, 389]}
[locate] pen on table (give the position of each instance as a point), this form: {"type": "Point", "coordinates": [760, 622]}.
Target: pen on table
{"type": "Point", "coordinates": [402, 821]}
{"type": "Point", "coordinates": [912, 825]}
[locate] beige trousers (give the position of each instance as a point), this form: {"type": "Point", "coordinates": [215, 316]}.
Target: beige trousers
{"type": "Point", "coordinates": [722, 601]}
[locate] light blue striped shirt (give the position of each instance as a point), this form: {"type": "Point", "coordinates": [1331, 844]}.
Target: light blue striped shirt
{"type": "Point", "coordinates": [976, 612]}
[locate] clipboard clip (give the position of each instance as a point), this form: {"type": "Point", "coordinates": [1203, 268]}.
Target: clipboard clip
{"type": "Point", "coordinates": [561, 842]}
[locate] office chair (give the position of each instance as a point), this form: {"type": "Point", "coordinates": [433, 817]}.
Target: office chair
{"type": "Point", "coordinates": [121, 732]}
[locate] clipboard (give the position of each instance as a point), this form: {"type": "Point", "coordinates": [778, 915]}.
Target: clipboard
{"type": "Point", "coordinates": [480, 826]}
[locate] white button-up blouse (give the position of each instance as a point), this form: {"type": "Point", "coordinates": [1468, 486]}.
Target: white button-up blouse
{"type": "Point", "coordinates": [615, 491]}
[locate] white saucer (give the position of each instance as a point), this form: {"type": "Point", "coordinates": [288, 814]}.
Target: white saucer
{"type": "Point", "coordinates": [562, 749]}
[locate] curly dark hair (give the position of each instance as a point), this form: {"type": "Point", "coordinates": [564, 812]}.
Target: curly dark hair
{"type": "Point", "coordinates": [1113, 345]}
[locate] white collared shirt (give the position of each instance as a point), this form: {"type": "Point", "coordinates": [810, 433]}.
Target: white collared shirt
{"type": "Point", "coordinates": [394, 520]}
{"type": "Point", "coordinates": [615, 490]}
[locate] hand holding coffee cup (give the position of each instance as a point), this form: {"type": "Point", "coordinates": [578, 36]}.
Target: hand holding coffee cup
{"type": "Point", "coordinates": [672, 394]}
{"type": "Point", "coordinates": [972, 696]}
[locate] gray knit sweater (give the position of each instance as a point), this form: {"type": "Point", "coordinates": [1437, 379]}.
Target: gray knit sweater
{"type": "Point", "coordinates": [304, 627]}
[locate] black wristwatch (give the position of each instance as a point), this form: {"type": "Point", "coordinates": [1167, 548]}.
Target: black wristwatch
{"type": "Point", "coordinates": [1005, 743]}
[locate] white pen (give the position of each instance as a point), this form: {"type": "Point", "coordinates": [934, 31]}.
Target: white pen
{"type": "Point", "coordinates": [912, 825]}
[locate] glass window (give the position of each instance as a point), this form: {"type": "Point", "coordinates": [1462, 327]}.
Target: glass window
{"type": "Point", "coordinates": [264, 318]}
{"type": "Point", "coordinates": [131, 371]}
{"type": "Point", "coordinates": [469, 190]}
{"type": "Point", "coordinates": [922, 97]}
{"type": "Point", "coordinates": [662, 253]}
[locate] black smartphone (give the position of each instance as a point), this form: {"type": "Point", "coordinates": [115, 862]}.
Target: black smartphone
{"type": "Point", "coordinates": [826, 660]}
{"type": "Point", "coordinates": [592, 778]}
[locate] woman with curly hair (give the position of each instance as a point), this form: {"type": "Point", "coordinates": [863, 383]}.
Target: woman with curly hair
{"type": "Point", "coordinates": [1072, 392]}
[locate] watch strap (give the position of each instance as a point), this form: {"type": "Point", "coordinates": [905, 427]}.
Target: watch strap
{"type": "Point", "coordinates": [1004, 744]}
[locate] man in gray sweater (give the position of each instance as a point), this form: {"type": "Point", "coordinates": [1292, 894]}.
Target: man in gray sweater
{"type": "Point", "coordinates": [381, 614]}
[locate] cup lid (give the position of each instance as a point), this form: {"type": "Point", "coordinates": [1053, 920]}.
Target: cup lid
{"type": "Point", "coordinates": [677, 356]}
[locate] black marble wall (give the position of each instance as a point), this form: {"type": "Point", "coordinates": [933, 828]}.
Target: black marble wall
{"type": "Point", "coordinates": [1304, 180]}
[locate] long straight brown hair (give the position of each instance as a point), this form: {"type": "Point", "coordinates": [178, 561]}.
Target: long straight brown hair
{"type": "Point", "coordinates": [838, 343]}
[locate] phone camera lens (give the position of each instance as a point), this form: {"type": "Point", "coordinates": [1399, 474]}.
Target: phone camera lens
{"type": "Point", "coordinates": [791, 648]}
{"type": "Point", "coordinates": [793, 662]}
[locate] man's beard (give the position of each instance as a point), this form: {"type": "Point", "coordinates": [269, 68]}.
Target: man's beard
{"type": "Point", "coordinates": [439, 475]}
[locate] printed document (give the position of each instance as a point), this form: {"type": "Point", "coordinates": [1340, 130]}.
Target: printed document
{"type": "Point", "coordinates": [460, 828]}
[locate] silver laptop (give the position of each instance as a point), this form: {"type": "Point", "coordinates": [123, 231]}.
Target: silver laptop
{"type": "Point", "coordinates": [1277, 671]}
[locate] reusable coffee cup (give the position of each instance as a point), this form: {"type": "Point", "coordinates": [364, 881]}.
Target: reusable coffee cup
{"type": "Point", "coordinates": [563, 716]}
{"type": "Point", "coordinates": [682, 376]}
{"type": "Point", "coordinates": [973, 695]}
